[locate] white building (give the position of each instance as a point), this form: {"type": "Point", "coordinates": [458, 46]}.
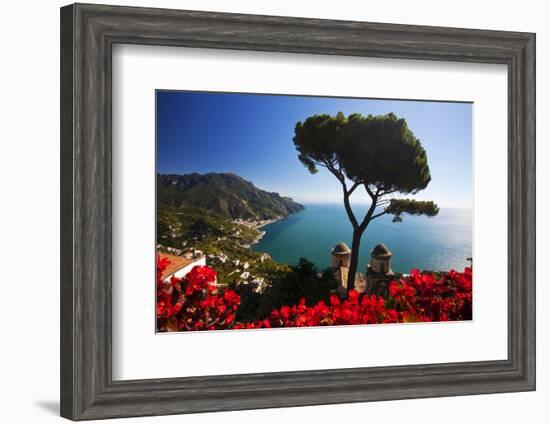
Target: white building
{"type": "Point", "coordinates": [180, 266]}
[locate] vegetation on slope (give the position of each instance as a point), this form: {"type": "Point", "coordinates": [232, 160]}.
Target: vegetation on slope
{"type": "Point", "coordinates": [224, 193]}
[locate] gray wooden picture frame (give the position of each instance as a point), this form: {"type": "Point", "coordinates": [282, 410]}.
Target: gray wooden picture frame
{"type": "Point", "coordinates": [88, 33]}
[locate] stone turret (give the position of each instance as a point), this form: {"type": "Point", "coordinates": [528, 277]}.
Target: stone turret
{"type": "Point", "coordinates": [340, 256]}
{"type": "Point", "coordinates": [379, 272]}
{"type": "Point", "coordinates": [380, 259]}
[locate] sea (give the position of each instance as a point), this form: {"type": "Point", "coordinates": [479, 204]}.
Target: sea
{"type": "Point", "coordinates": [438, 243]}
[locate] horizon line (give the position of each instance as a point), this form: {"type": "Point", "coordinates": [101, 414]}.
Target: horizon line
{"type": "Point", "coordinates": [338, 202]}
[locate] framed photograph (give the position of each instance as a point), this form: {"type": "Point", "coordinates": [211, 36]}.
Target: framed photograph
{"type": "Point", "coordinates": [268, 211]}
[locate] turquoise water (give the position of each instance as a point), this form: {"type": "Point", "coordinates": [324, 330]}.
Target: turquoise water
{"type": "Point", "coordinates": [439, 243]}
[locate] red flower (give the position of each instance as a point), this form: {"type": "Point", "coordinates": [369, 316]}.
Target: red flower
{"type": "Point", "coordinates": [353, 296]}
{"type": "Point", "coordinates": [334, 300]}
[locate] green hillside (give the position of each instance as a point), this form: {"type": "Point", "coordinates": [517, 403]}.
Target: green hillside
{"type": "Point", "coordinates": [199, 227]}
{"type": "Point", "coordinates": [224, 193]}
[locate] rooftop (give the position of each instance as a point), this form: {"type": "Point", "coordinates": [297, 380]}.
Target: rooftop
{"type": "Point", "coordinates": [381, 251]}
{"type": "Point", "coordinates": [341, 248]}
{"type": "Point", "coordinates": [176, 263]}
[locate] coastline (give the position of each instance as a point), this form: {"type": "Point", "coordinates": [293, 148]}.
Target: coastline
{"type": "Point", "coordinates": [262, 233]}
{"type": "Point", "coordinates": [265, 224]}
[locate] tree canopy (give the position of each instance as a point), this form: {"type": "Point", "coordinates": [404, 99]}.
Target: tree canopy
{"type": "Point", "coordinates": [378, 151]}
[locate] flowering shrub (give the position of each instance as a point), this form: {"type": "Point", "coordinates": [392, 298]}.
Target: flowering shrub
{"type": "Point", "coordinates": [193, 303]}
{"type": "Point", "coordinates": [423, 297]}
{"type": "Point", "coordinates": [356, 309]}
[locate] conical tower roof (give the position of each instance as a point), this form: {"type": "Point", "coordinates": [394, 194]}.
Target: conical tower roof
{"type": "Point", "coordinates": [381, 251]}
{"type": "Point", "coordinates": [341, 249]}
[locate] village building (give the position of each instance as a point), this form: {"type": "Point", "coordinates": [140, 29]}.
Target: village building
{"type": "Point", "coordinates": [219, 257]}
{"type": "Point", "coordinates": [179, 266]}
{"type": "Point", "coordinates": [260, 284]}
{"type": "Point", "coordinates": [174, 250]}
{"type": "Point", "coordinates": [264, 257]}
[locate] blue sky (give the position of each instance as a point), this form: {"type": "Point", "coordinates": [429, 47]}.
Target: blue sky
{"type": "Point", "coordinates": [251, 135]}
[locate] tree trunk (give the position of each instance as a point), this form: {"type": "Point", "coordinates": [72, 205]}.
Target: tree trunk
{"type": "Point", "coordinates": [356, 242]}
{"type": "Point", "coordinates": [358, 230]}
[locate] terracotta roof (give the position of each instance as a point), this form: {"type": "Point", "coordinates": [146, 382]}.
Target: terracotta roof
{"type": "Point", "coordinates": [381, 251]}
{"type": "Point", "coordinates": [176, 263]}
{"type": "Point", "coordinates": [341, 249]}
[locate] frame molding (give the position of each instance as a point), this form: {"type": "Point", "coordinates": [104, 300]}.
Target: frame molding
{"type": "Point", "coordinates": [88, 33]}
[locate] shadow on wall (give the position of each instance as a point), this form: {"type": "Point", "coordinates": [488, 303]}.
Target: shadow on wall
{"type": "Point", "coordinates": [51, 406]}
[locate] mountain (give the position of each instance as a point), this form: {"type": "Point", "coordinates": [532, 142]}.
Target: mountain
{"type": "Point", "coordinates": [224, 193]}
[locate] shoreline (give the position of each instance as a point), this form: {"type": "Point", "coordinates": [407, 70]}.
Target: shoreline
{"type": "Point", "coordinates": [269, 221]}
{"type": "Point", "coordinates": [262, 233]}
{"type": "Point", "coordinates": [265, 224]}
{"type": "Point", "coordinates": [255, 241]}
